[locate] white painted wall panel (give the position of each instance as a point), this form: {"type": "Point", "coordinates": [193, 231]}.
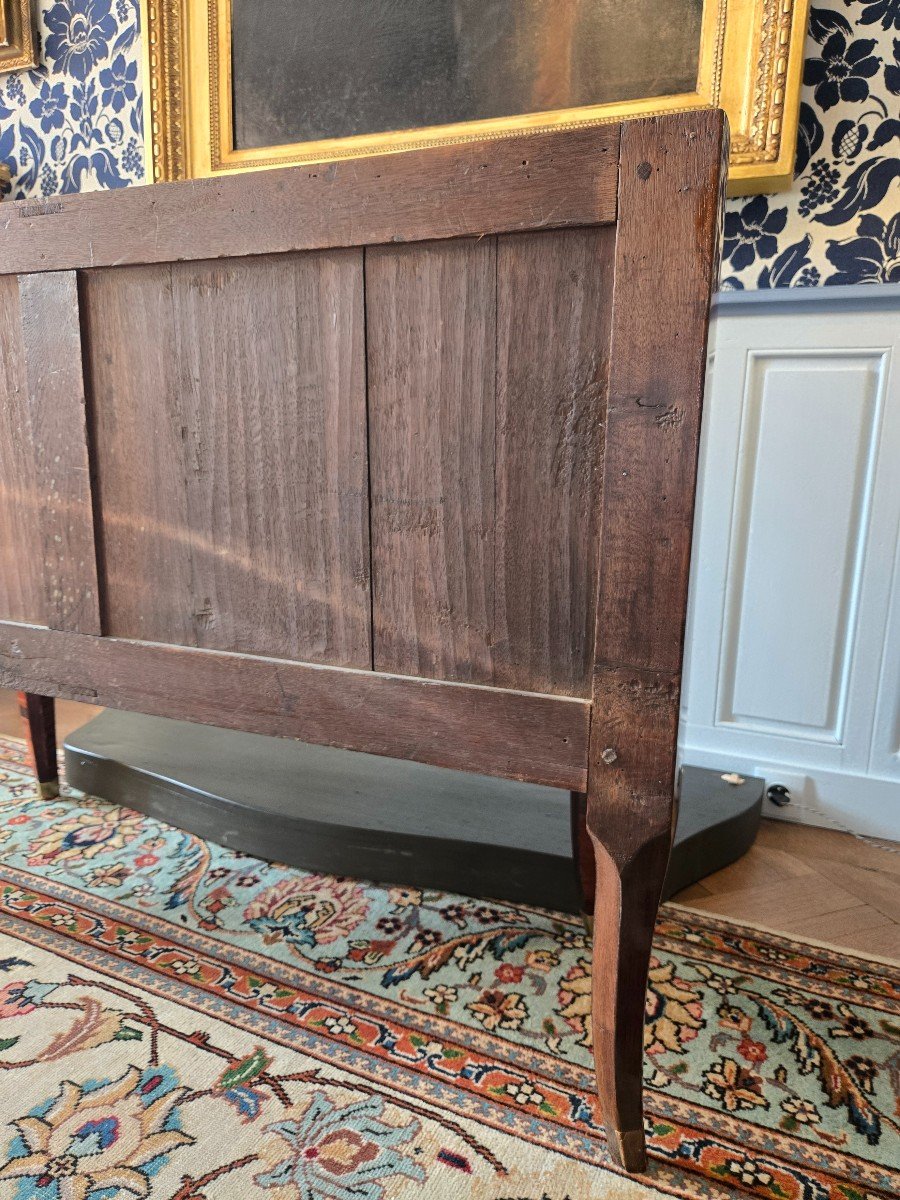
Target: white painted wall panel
{"type": "Point", "coordinates": [807, 449]}
{"type": "Point", "coordinates": [793, 654]}
{"type": "Point", "coordinates": [884, 759]}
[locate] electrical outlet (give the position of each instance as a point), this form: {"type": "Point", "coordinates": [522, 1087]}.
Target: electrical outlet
{"type": "Point", "coordinates": [796, 784]}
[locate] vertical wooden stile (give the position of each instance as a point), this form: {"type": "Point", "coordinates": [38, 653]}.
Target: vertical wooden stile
{"type": "Point", "coordinates": [670, 202]}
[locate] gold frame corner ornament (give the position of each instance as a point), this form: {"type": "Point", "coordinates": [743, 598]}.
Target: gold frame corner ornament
{"type": "Point", "coordinates": [751, 61]}
{"type": "Point", "coordinates": [18, 43]}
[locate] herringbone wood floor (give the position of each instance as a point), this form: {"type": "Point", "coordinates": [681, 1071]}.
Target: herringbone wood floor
{"type": "Point", "coordinates": [796, 879]}
{"type": "Point", "coordinates": [814, 883]}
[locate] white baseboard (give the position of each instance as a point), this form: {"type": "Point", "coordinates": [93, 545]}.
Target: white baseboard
{"type": "Point", "coordinates": [842, 800]}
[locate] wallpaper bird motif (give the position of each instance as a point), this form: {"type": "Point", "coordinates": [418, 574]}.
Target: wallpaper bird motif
{"type": "Point", "coordinates": [75, 124]}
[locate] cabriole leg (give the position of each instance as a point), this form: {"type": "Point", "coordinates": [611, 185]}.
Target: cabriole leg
{"type": "Point", "coordinates": [39, 717]}
{"type": "Point", "coordinates": [626, 902]}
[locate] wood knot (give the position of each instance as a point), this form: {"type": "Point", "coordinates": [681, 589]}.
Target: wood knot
{"type": "Point", "coordinates": [644, 170]}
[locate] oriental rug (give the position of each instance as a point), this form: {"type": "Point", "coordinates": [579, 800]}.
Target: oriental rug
{"type": "Point", "coordinates": [182, 1022]}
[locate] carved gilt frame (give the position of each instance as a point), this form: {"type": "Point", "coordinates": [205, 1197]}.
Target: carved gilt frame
{"type": "Point", "coordinates": [751, 58]}
{"type": "Point", "coordinates": [18, 47]}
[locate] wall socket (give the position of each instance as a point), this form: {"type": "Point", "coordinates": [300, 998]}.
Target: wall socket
{"type": "Point", "coordinates": [798, 785]}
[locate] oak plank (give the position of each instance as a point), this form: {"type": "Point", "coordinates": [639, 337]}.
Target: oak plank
{"type": "Point", "coordinates": [811, 843]}
{"type": "Point", "coordinates": [666, 263]}
{"type": "Point", "coordinates": [766, 865]}
{"type": "Point", "coordinates": [545, 180]}
{"type": "Point", "coordinates": [883, 941]}
{"type": "Point", "coordinates": [554, 310]}
{"type": "Point", "coordinates": [431, 344]}
{"type": "Point", "coordinates": [843, 927]}
{"type": "Point", "coordinates": [272, 363]}
{"type": "Point", "coordinates": [58, 450]}
{"type": "Point", "coordinates": [871, 887]}
{"type": "Point", "coordinates": [796, 901]}
{"type": "Point", "coordinates": [689, 894]}
{"type": "Point", "coordinates": [232, 475]}
{"type": "Point", "coordinates": [487, 365]}
{"type": "Point", "coordinates": [488, 731]}
{"type": "Point", "coordinates": [138, 453]}
{"type": "Point", "coordinates": [21, 559]}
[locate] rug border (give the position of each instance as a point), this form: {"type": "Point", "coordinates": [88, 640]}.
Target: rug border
{"type": "Point", "coordinates": [714, 919]}
{"type": "Point", "coordinates": [711, 920]}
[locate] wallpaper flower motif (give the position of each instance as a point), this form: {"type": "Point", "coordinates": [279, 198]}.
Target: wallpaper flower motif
{"type": "Point", "coordinates": [839, 224]}
{"type": "Point", "coordinates": [75, 123]}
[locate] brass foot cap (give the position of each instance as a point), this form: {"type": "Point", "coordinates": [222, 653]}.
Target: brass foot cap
{"type": "Point", "coordinates": [49, 790]}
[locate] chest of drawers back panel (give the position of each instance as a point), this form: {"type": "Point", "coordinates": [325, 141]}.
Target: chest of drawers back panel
{"type": "Point", "coordinates": [396, 454]}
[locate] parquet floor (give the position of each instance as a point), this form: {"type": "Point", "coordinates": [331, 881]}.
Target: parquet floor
{"type": "Point", "coordinates": [811, 882]}
{"type": "Point", "coordinates": [68, 716]}
{"type": "Point", "coordinates": [797, 879]}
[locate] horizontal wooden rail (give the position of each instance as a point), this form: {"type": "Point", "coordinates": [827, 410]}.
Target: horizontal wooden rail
{"type": "Point", "coordinates": [485, 730]}
{"type": "Point", "coordinates": [542, 181]}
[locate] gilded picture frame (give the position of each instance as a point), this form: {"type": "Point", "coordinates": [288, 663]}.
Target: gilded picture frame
{"type": "Point", "coordinates": [18, 45]}
{"type": "Point", "coordinates": [750, 64]}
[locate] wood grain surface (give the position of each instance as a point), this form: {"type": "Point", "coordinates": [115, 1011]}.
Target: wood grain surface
{"type": "Point", "coordinates": [51, 337]}
{"type": "Point", "coordinates": [554, 301]}
{"type": "Point", "coordinates": [671, 177]}
{"type": "Point", "coordinates": [21, 557]}
{"type": "Point", "coordinates": [490, 731]}
{"type": "Point", "coordinates": [231, 455]}
{"type": "Point", "coordinates": [546, 180]}
{"type": "Point", "coordinates": [464, 466]}
{"type": "Point", "coordinates": [487, 369]}
{"type": "Point", "coordinates": [666, 259]}
{"type": "Point", "coordinates": [431, 346]}
{"type": "Point", "coordinates": [38, 718]}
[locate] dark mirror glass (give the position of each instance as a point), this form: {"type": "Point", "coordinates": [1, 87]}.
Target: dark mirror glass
{"type": "Point", "coordinates": [310, 69]}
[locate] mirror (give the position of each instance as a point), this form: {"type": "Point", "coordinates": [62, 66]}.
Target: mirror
{"type": "Point", "coordinates": [243, 84]}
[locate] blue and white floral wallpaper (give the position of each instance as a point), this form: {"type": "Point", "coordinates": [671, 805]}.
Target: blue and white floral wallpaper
{"type": "Point", "coordinates": [840, 222]}
{"type": "Point", "coordinates": [75, 124]}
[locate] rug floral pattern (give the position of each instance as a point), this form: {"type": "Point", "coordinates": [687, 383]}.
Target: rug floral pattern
{"type": "Point", "coordinates": [183, 1022]}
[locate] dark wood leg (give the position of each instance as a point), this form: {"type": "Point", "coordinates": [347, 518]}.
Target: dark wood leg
{"type": "Point", "coordinates": [39, 716]}
{"type": "Point", "coordinates": [627, 898]}
{"type": "Point", "coordinates": [649, 477]}
{"type": "Point", "coordinates": [583, 854]}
